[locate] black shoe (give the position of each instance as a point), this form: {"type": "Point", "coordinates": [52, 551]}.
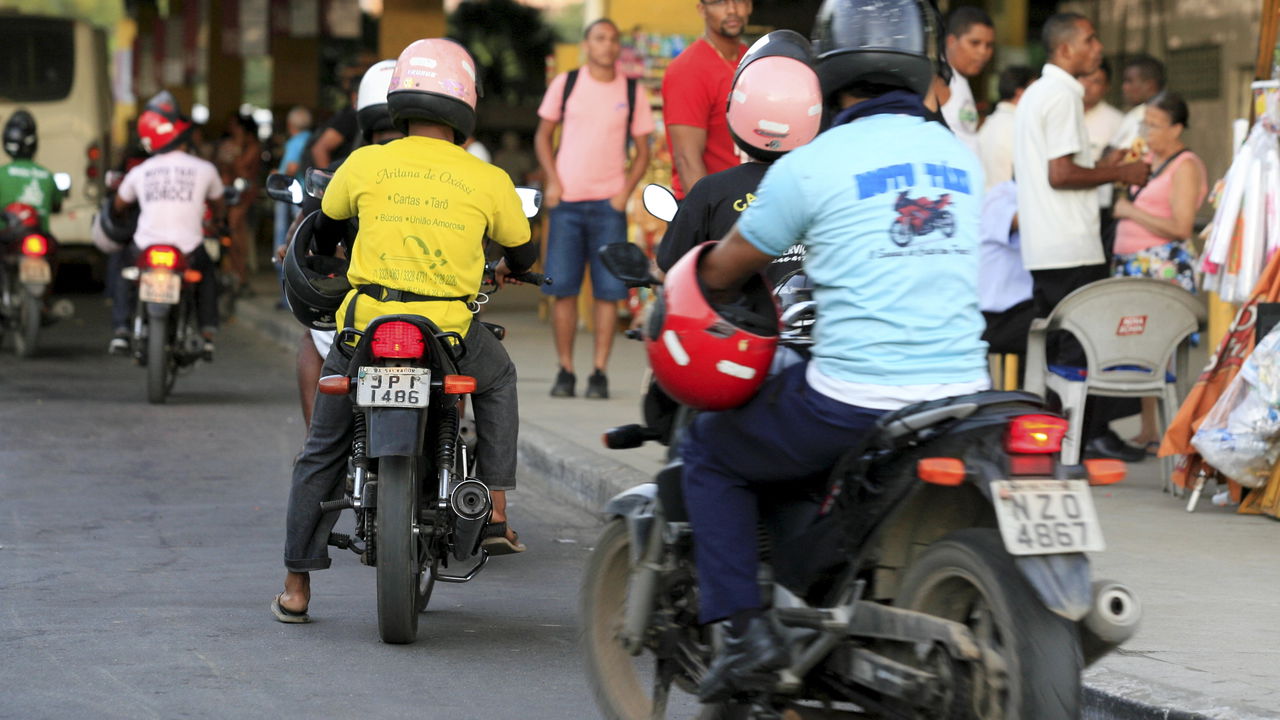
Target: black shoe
{"type": "Point", "coordinates": [748, 662]}
{"type": "Point", "coordinates": [1110, 446]}
{"type": "Point", "coordinates": [565, 381]}
{"type": "Point", "coordinates": [598, 386]}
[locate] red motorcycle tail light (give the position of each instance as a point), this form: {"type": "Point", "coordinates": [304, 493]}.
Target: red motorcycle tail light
{"type": "Point", "coordinates": [162, 257]}
{"type": "Point", "coordinates": [1035, 434]}
{"type": "Point", "coordinates": [35, 245]}
{"type": "Point", "coordinates": [397, 339]}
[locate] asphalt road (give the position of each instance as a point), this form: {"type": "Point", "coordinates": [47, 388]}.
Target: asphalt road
{"type": "Point", "coordinates": [140, 547]}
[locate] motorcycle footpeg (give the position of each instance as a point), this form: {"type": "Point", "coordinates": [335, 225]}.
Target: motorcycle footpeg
{"type": "Point", "coordinates": [328, 506]}
{"type": "Point", "coordinates": [341, 541]}
{"type": "Point", "coordinates": [627, 437]}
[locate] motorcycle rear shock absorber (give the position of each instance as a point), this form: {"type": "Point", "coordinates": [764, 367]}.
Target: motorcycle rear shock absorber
{"type": "Point", "coordinates": [359, 460]}
{"type": "Point", "coordinates": [447, 437]}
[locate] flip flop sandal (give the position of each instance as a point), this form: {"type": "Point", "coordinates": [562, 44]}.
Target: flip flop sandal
{"type": "Point", "coordinates": [495, 540]}
{"type": "Point", "coordinates": [285, 615]}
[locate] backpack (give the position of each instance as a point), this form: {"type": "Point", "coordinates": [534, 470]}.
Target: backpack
{"type": "Point", "coordinates": [572, 78]}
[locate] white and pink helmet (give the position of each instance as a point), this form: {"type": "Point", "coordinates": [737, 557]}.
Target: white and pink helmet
{"type": "Point", "coordinates": [435, 81]}
{"type": "Point", "coordinates": [775, 105]}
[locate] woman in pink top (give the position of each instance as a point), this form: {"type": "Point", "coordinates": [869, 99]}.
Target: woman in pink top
{"type": "Point", "coordinates": [1155, 221]}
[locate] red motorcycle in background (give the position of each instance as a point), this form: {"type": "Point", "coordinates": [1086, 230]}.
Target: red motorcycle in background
{"type": "Point", "coordinates": [921, 216]}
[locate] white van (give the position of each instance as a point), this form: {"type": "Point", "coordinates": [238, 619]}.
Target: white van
{"type": "Point", "coordinates": [58, 70]}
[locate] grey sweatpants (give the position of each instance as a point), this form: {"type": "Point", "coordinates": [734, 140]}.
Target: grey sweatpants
{"type": "Point", "coordinates": [322, 466]}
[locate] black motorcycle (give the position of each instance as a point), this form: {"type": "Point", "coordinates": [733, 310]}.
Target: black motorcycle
{"type": "Point", "coordinates": [419, 510]}
{"type": "Point", "coordinates": [26, 270]}
{"type": "Point", "coordinates": [941, 575]}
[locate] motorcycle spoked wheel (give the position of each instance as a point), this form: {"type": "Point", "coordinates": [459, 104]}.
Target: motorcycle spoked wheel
{"type": "Point", "coordinates": [968, 577]}
{"type": "Point", "coordinates": [24, 336]}
{"type": "Point", "coordinates": [162, 370]}
{"type": "Point", "coordinates": [621, 683]}
{"type": "Point", "coordinates": [426, 582]}
{"type": "Point", "coordinates": [399, 564]}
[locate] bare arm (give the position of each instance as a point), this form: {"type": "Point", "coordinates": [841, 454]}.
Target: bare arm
{"type": "Point", "coordinates": [1187, 182]}
{"type": "Point", "coordinates": [730, 264]}
{"type": "Point", "coordinates": [1065, 174]}
{"type": "Point", "coordinates": [687, 145]}
{"type": "Point", "coordinates": [543, 147]}
{"type": "Point", "coordinates": [634, 173]}
{"type": "Point", "coordinates": [291, 169]}
{"type": "Point", "coordinates": [322, 150]}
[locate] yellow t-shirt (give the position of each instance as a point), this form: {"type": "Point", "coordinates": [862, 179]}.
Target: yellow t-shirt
{"type": "Point", "coordinates": [425, 207]}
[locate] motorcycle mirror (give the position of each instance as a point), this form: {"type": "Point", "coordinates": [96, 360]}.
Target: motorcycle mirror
{"type": "Point", "coordinates": [317, 181]}
{"type": "Point", "coordinates": [660, 202]}
{"type": "Point", "coordinates": [62, 181]}
{"type": "Point", "coordinates": [284, 189]}
{"type": "Point", "coordinates": [530, 200]}
{"type": "Point", "coordinates": [628, 263]}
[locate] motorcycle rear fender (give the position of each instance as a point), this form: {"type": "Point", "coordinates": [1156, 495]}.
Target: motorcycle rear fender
{"type": "Point", "coordinates": [1063, 582]}
{"type": "Point", "coordinates": [638, 507]}
{"type": "Point", "coordinates": [395, 431]}
{"type": "Point", "coordinates": [159, 310]}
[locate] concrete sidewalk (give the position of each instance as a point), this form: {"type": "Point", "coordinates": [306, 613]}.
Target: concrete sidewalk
{"type": "Point", "coordinates": [1207, 647]}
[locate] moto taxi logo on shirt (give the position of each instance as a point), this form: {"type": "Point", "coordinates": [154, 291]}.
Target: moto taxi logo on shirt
{"type": "Point", "coordinates": [167, 183]}
{"type": "Point", "coordinates": [922, 207]}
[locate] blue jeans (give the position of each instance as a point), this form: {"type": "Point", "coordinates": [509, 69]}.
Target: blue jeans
{"type": "Point", "coordinates": [578, 231]}
{"type": "Point", "coordinates": [787, 435]}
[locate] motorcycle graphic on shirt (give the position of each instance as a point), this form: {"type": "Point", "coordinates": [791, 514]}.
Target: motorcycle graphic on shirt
{"type": "Point", "coordinates": [921, 216]}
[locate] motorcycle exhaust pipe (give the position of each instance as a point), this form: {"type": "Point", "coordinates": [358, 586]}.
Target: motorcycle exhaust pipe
{"type": "Point", "coordinates": [471, 504]}
{"type": "Point", "coordinates": [1112, 619]}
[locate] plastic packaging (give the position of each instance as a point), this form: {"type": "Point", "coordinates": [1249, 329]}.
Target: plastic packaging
{"type": "Point", "coordinates": [1241, 434]}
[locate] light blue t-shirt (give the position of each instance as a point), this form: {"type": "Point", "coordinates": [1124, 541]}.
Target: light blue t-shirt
{"type": "Point", "coordinates": [293, 148]}
{"type": "Point", "coordinates": [888, 209]}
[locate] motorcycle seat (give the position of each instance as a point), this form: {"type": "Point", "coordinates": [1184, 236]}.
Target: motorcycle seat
{"type": "Point", "coordinates": [920, 416]}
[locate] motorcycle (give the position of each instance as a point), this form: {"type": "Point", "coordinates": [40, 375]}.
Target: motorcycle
{"type": "Point", "coordinates": [941, 575]}
{"type": "Point", "coordinates": [919, 217]}
{"type": "Point", "coordinates": [26, 271]}
{"type": "Point", "coordinates": [165, 337]}
{"type": "Point", "coordinates": [419, 510]}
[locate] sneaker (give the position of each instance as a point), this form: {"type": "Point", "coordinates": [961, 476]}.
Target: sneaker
{"type": "Point", "coordinates": [119, 344]}
{"type": "Point", "coordinates": [563, 386]}
{"type": "Point", "coordinates": [598, 385]}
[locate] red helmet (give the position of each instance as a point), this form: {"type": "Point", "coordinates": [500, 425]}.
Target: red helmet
{"type": "Point", "coordinates": [161, 127]}
{"type": "Point", "coordinates": [775, 104]}
{"type": "Point", "coordinates": [18, 220]}
{"type": "Point", "coordinates": [710, 358]}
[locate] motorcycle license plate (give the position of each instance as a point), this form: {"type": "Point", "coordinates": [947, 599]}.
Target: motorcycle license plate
{"type": "Point", "coordinates": [160, 286]}
{"type": "Point", "coordinates": [34, 270]}
{"type": "Point", "coordinates": [1043, 517]}
{"type": "Point", "coordinates": [393, 387]}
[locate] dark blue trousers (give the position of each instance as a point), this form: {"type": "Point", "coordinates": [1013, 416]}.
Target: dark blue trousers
{"type": "Point", "coordinates": [787, 437]}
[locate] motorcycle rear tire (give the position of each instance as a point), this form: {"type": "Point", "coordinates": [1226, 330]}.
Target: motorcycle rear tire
{"type": "Point", "coordinates": [24, 339]}
{"type": "Point", "coordinates": [970, 571]}
{"type": "Point", "coordinates": [398, 558]}
{"type": "Point", "coordinates": [619, 692]}
{"type": "Point", "coordinates": [159, 367]}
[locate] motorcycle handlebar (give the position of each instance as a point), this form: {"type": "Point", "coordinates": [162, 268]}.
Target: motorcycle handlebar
{"type": "Point", "coordinates": [530, 277]}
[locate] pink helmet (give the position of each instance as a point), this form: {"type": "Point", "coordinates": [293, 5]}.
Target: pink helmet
{"type": "Point", "coordinates": [434, 81]}
{"type": "Point", "coordinates": [775, 105]}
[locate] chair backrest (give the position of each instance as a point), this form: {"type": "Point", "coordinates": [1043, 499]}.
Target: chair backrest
{"type": "Point", "coordinates": [1128, 323]}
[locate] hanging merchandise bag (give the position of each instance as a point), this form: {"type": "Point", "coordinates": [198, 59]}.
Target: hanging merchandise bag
{"type": "Point", "coordinates": [1240, 436]}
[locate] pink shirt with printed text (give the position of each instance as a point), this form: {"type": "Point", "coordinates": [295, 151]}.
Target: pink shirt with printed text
{"type": "Point", "coordinates": [591, 160]}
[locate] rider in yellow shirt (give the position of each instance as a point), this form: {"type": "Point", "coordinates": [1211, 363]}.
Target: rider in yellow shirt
{"type": "Point", "coordinates": [424, 207]}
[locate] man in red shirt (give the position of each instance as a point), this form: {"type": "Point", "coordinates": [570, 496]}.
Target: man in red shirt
{"type": "Point", "coordinates": [695, 91]}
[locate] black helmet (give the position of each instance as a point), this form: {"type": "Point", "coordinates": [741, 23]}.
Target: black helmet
{"type": "Point", "coordinates": [314, 285]}
{"type": "Point", "coordinates": [890, 43]}
{"type": "Point", "coordinates": [20, 135]}
{"type": "Point", "coordinates": [119, 226]}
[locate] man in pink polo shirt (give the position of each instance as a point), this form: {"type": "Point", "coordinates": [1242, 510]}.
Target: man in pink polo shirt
{"type": "Point", "coordinates": [695, 93]}
{"type": "Point", "coordinates": [588, 183]}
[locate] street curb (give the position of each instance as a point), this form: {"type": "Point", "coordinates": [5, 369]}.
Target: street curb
{"type": "Point", "coordinates": [588, 481]}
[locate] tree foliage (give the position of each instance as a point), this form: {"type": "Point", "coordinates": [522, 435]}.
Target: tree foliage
{"type": "Point", "coordinates": [510, 43]}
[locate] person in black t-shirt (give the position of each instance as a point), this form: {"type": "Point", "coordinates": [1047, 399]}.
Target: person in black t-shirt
{"type": "Point", "coordinates": [775, 106]}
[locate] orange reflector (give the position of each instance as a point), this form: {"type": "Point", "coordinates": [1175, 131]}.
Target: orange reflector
{"type": "Point", "coordinates": [459, 384]}
{"type": "Point", "coordinates": [335, 385]}
{"type": "Point", "coordinates": [941, 471]}
{"type": "Point", "coordinates": [1105, 472]}
{"type": "Point", "coordinates": [193, 276]}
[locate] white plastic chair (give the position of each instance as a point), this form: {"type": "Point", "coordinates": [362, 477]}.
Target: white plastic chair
{"type": "Point", "coordinates": [1130, 329]}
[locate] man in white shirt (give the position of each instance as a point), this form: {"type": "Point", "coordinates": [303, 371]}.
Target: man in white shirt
{"type": "Point", "coordinates": [971, 41]}
{"type": "Point", "coordinates": [1101, 118]}
{"type": "Point", "coordinates": [1058, 201]}
{"type": "Point", "coordinates": [1141, 80]}
{"type": "Point", "coordinates": [995, 139]}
